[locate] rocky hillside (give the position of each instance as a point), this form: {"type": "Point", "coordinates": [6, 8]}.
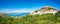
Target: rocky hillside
{"type": "Point", "coordinates": [44, 10]}
{"type": "Point", "coordinates": [2, 14]}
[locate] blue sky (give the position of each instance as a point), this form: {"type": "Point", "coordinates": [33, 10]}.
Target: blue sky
{"type": "Point", "coordinates": [19, 6]}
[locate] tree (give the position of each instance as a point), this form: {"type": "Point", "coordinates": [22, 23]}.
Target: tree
{"type": "Point", "coordinates": [58, 14]}
{"type": "Point", "coordinates": [57, 17]}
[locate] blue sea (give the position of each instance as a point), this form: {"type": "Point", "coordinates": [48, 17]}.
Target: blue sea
{"type": "Point", "coordinates": [17, 14]}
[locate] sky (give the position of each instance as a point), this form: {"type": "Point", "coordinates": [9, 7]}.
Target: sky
{"type": "Point", "coordinates": [20, 6]}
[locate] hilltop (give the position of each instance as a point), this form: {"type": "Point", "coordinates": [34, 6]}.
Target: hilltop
{"type": "Point", "coordinates": [44, 10]}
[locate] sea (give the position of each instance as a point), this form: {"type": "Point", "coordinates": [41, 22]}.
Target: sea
{"type": "Point", "coordinates": [17, 14]}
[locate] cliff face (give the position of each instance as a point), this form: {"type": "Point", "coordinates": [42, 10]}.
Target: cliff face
{"type": "Point", "coordinates": [45, 10]}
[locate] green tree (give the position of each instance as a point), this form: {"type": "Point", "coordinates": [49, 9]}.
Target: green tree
{"type": "Point", "coordinates": [58, 17]}
{"type": "Point", "coordinates": [58, 14]}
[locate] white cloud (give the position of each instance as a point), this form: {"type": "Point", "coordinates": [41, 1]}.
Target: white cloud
{"type": "Point", "coordinates": [20, 10]}
{"type": "Point", "coordinates": [17, 11]}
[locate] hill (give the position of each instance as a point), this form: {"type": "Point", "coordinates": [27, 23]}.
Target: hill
{"type": "Point", "coordinates": [30, 19]}
{"type": "Point", "coordinates": [47, 18]}
{"type": "Point", "coordinates": [44, 10]}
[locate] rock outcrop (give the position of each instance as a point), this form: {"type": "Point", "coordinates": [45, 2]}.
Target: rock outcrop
{"type": "Point", "coordinates": [44, 10]}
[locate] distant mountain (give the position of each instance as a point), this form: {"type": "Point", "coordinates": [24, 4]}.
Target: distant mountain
{"type": "Point", "coordinates": [2, 14]}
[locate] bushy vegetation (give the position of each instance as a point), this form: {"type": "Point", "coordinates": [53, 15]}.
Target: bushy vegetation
{"type": "Point", "coordinates": [58, 17]}
{"type": "Point", "coordinates": [32, 19]}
